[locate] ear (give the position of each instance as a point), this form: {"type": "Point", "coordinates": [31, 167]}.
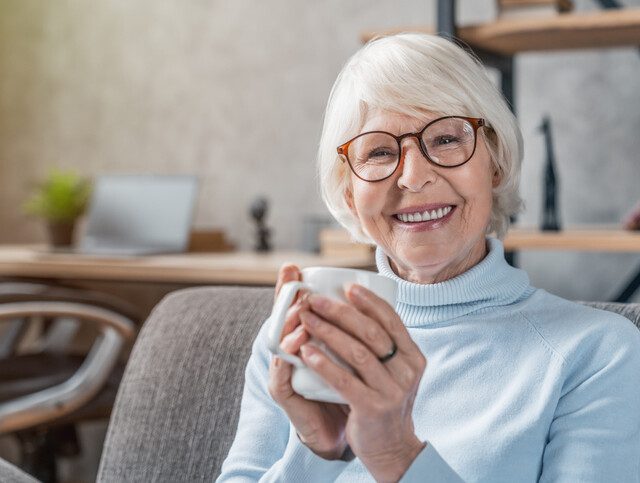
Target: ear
{"type": "Point", "coordinates": [497, 178]}
{"type": "Point", "coordinates": [348, 198]}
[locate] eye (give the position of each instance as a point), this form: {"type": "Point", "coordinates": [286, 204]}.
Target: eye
{"type": "Point", "coordinates": [381, 152]}
{"type": "Point", "coordinates": [379, 155]}
{"type": "Point", "coordinates": [445, 140]}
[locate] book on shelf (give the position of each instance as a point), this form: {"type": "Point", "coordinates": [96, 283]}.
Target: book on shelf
{"type": "Point", "coordinates": [508, 9]}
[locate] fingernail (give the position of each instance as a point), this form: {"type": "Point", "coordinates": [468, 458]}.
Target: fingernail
{"type": "Point", "coordinates": [356, 290]}
{"type": "Point", "coordinates": [349, 288]}
{"type": "Point", "coordinates": [292, 336]}
{"type": "Point", "coordinates": [290, 268]}
{"type": "Point", "coordinates": [277, 361]}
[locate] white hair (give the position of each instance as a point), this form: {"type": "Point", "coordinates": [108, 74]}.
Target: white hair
{"type": "Point", "coordinates": [409, 74]}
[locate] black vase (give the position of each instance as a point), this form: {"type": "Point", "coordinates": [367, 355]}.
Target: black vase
{"type": "Point", "coordinates": [61, 233]}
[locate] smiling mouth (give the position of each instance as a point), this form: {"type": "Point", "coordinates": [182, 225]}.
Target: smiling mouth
{"type": "Point", "coordinates": [428, 215]}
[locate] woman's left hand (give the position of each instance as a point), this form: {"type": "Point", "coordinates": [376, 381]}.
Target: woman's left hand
{"type": "Point", "coordinates": [380, 395]}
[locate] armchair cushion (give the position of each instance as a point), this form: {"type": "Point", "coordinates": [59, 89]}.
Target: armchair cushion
{"type": "Point", "coordinates": [177, 408]}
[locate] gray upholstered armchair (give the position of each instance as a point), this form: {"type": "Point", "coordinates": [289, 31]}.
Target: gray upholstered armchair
{"type": "Point", "coordinates": [177, 407]}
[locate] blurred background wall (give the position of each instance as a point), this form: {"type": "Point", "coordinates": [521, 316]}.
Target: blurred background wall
{"type": "Point", "coordinates": [234, 91]}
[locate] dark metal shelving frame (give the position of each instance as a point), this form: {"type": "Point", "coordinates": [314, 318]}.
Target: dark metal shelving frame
{"type": "Point", "coordinates": [505, 64]}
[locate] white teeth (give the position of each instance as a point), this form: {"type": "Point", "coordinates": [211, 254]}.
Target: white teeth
{"type": "Point", "coordinates": [425, 216]}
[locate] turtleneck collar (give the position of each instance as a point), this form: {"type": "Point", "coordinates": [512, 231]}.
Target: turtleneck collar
{"type": "Point", "coordinates": [490, 283]}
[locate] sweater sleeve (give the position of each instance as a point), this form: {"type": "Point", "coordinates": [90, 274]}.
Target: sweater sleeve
{"type": "Point", "coordinates": [595, 432]}
{"type": "Point", "coordinates": [429, 466]}
{"type": "Point", "coordinates": [266, 447]}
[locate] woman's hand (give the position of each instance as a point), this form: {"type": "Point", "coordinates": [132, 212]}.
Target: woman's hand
{"type": "Point", "coordinates": [380, 427]}
{"type": "Point", "coordinates": [320, 426]}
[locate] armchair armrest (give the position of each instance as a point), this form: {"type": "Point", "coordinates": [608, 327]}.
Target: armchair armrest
{"type": "Point", "coordinates": [54, 402]}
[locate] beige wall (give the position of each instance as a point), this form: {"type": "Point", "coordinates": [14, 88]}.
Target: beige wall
{"type": "Point", "coordinates": [234, 92]}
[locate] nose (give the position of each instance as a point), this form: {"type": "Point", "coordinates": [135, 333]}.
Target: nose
{"type": "Point", "coordinates": [415, 170]}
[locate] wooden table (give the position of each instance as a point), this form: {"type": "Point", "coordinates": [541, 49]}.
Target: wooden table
{"type": "Point", "coordinates": [244, 268]}
{"type": "Point", "coordinates": [144, 281]}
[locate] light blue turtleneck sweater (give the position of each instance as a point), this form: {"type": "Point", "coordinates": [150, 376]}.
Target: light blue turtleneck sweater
{"type": "Point", "coordinates": [520, 386]}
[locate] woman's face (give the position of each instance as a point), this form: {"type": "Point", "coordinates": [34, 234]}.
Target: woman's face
{"type": "Point", "coordinates": [426, 251]}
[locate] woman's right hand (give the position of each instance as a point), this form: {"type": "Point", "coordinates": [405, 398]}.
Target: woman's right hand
{"type": "Point", "coordinates": [320, 426]}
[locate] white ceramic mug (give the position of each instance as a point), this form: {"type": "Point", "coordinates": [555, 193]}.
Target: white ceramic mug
{"type": "Point", "coordinates": [330, 282]}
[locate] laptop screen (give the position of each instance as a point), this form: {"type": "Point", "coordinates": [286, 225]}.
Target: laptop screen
{"type": "Point", "coordinates": [140, 211]}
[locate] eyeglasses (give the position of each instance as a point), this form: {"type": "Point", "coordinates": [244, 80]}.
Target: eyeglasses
{"type": "Point", "coordinates": [446, 142]}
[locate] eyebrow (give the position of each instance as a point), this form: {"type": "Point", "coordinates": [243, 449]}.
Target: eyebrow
{"type": "Point", "coordinates": [425, 121]}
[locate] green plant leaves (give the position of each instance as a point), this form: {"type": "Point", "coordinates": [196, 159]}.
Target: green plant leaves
{"type": "Point", "coordinates": [62, 197]}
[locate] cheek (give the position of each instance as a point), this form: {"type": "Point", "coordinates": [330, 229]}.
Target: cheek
{"type": "Point", "coordinates": [478, 196]}
{"type": "Point", "coordinates": [369, 199]}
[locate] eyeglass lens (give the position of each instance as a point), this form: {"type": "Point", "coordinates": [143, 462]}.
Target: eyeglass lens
{"type": "Point", "coordinates": [448, 142]}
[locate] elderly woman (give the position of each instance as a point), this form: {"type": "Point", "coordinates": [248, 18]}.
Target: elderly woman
{"type": "Point", "coordinates": [420, 155]}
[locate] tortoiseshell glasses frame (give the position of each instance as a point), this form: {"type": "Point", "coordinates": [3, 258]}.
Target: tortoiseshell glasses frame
{"type": "Point", "coordinates": [474, 122]}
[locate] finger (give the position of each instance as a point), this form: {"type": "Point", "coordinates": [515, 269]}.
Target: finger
{"type": "Point", "coordinates": [280, 380]}
{"type": "Point", "coordinates": [378, 309]}
{"type": "Point", "coordinates": [292, 342]}
{"type": "Point", "coordinates": [352, 389]}
{"type": "Point", "coordinates": [288, 272]}
{"type": "Point", "coordinates": [407, 370]}
{"type": "Point", "coordinates": [401, 371]}
{"type": "Point", "coordinates": [354, 322]}
{"type": "Point", "coordinates": [349, 349]}
{"type": "Point", "coordinates": [292, 317]}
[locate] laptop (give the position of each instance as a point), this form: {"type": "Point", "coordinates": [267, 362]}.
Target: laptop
{"type": "Point", "coordinates": [132, 215]}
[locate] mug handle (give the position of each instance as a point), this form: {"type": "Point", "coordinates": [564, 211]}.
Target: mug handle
{"type": "Point", "coordinates": [276, 320]}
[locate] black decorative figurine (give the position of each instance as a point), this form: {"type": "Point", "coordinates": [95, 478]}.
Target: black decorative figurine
{"type": "Point", "coordinates": [259, 209]}
{"type": "Point", "coordinates": [550, 219]}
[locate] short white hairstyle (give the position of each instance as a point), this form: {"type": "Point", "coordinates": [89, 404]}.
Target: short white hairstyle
{"type": "Point", "coordinates": [412, 74]}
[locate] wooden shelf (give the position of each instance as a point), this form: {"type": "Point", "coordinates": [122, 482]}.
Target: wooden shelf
{"type": "Point", "coordinates": [584, 30]}
{"type": "Point", "coordinates": [579, 239]}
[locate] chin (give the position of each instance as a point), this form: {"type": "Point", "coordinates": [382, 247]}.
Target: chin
{"type": "Point", "coordinates": [426, 256]}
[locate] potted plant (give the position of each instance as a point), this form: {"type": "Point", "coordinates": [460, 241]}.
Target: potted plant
{"type": "Point", "coordinates": [60, 200]}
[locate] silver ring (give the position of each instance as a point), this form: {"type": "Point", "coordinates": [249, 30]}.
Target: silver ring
{"type": "Point", "coordinates": [391, 353]}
